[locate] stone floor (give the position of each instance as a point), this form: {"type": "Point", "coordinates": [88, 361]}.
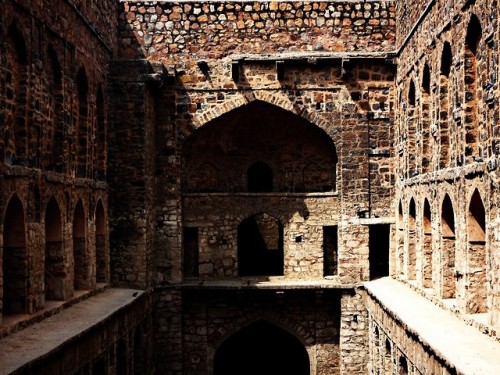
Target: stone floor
{"type": "Point", "coordinates": [41, 338]}
{"type": "Point", "coordinates": [472, 352]}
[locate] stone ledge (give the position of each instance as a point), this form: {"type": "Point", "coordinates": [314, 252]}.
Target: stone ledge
{"type": "Point", "coordinates": [20, 352]}
{"type": "Point", "coordinates": [448, 337]}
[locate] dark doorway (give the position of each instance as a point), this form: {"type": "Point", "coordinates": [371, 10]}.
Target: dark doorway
{"type": "Point", "coordinates": [260, 246]}
{"type": "Point", "coordinates": [330, 251]}
{"type": "Point", "coordinates": [260, 178]}
{"type": "Point", "coordinates": [264, 349]}
{"type": "Point", "coordinates": [379, 250]}
{"type": "Point", "coordinates": [190, 252]}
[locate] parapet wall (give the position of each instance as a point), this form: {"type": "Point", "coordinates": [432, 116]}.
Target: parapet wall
{"type": "Point", "coordinates": [211, 30]}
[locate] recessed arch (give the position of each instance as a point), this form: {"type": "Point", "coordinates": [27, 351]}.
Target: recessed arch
{"type": "Point", "coordinates": [80, 256]}
{"type": "Point", "coordinates": [448, 286]}
{"type": "Point", "coordinates": [100, 135]}
{"type": "Point", "coordinates": [101, 248]}
{"type": "Point", "coordinates": [15, 259]}
{"type": "Point", "coordinates": [261, 348]}
{"type": "Point", "coordinates": [473, 36]}
{"type": "Point", "coordinates": [412, 246]}
{"type": "Point", "coordinates": [15, 118]}
{"type": "Point", "coordinates": [476, 256]}
{"type": "Point", "coordinates": [82, 134]}
{"type": "Point", "coordinates": [265, 133]}
{"type": "Point", "coordinates": [444, 107]}
{"type": "Point", "coordinates": [259, 178]}
{"type": "Point", "coordinates": [260, 246]}
{"type": "Point", "coordinates": [55, 268]}
{"type": "Point", "coordinates": [56, 144]}
{"type": "Point", "coordinates": [412, 93]}
{"type": "Point", "coordinates": [401, 239]}
{"type": "Point", "coordinates": [427, 251]}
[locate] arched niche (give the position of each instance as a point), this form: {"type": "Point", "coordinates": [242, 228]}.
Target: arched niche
{"type": "Point", "coordinates": [448, 286]}
{"type": "Point", "coordinates": [55, 268]}
{"type": "Point", "coordinates": [427, 246]}
{"type": "Point", "coordinates": [15, 259]}
{"type": "Point", "coordinates": [261, 348]}
{"type": "Point", "coordinates": [260, 132]}
{"type": "Point", "coordinates": [80, 256]}
{"type": "Point", "coordinates": [412, 241]}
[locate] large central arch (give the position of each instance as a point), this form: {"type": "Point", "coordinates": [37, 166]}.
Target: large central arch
{"type": "Point", "coordinates": [259, 147]}
{"type": "Point", "coordinates": [261, 348]}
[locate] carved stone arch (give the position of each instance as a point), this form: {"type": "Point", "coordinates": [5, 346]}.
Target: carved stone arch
{"type": "Point", "coordinates": [476, 276]}
{"type": "Point", "coordinates": [15, 136]}
{"type": "Point", "coordinates": [258, 325]}
{"type": "Point", "coordinates": [274, 98]}
{"type": "Point", "coordinates": [447, 267]}
{"type": "Point", "coordinates": [15, 258]}
{"type": "Point", "coordinates": [412, 241]}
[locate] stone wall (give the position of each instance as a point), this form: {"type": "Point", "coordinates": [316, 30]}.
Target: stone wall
{"type": "Point", "coordinates": [53, 111]}
{"type": "Point", "coordinates": [446, 139]}
{"type": "Point", "coordinates": [168, 30]}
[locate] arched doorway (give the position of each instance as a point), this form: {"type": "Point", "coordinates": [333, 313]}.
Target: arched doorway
{"type": "Point", "coordinates": [55, 270]}
{"type": "Point", "coordinates": [260, 246]}
{"type": "Point", "coordinates": [448, 286]}
{"type": "Point", "coordinates": [261, 348]}
{"type": "Point", "coordinates": [100, 244]}
{"type": "Point", "coordinates": [412, 245]}
{"type": "Point", "coordinates": [80, 248]}
{"type": "Point", "coordinates": [476, 256]}
{"type": "Point", "coordinates": [15, 259]}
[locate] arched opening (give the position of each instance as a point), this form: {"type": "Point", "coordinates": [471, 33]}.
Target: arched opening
{"type": "Point", "coordinates": [412, 245]}
{"type": "Point", "coordinates": [472, 39]}
{"type": "Point", "coordinates": [387, 358]}
{"type": "Point", "coordinates": [101, 244]}
{"type": "Point", "coordinates": [476, 256]}
{"type": "Point", "coordinates": [56, 132]}
{"type": "Point", "coordinates": [55, 269]}
{"type": "Point", "coordinates": [427, 247]}
{"type": "Point", "coordinates": [80, 257]}
{"type": "Point", "coordinates": [259, 178]}
{"type": "Point", "coordinates": [261, 348]}
{"type": "Point", "coordinates": [259, 147]}
{"type": "Point", "coordinates": [444, 107]}
{"type": "Point", "coordinates": [448, 286]}
{"type": "Point", "coordinates": [15, 259]}
{"type": "Point", "coordinates": [401, 240]}
{"type": "Point", "coordinates": [82, 129]}
{"type": "Point", "coordinates": [425, 139]}
{"type": "Point", "coordinates": [101, 136]}
{"type": "Point", "coordinates": [412, 130]}
{"type": "Point", "coordinates": [15, 125]}
{"type": "Point", "coordinates": [403, 366]}
{"type": "Point", "coordinates": [260, 246]}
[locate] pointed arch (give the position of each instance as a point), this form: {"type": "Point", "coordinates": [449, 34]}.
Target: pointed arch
{"type": "Point", "coordinates": [55, 268]}
{"type": "Point", "coordinates": [82, 133]}
{"type": "Point", "coordinates": [101, 246]}
{"type": "Point", "coordinates": [15, 259]}
{"type": "Point", "coordinates": [101, 154]}
{"type": "Point", "coordinates": [425, 110]}
{"type": "Point", "coordinates": [412, 116]}
{"type": "Point", "coordinates": [448, 286]}
{"type": "Point", "coordinates": [260, 246]}
{"type": "Point", "coordinates": [261, 347]}
{"type": "Point", "coordinates": [476, 256]}
{"type": "Point", "coordinates": [259, 178]}
{"type": "Point", "coordinates": [427, 251]}
{"type": "Point", "coordinates": [444, 106]}
{"type": "Point", "coordinates": [259, 132]}
{"type": "Point", "coordinates": [55, 146]}
{"type": "Point", "coordinates": [473, 36]}
{"type": "Point", "coordinates": [80, 256]}
{"type": "Point", "coordinates": [15, 125]}
{"type": "Point", "coordinates": [412, 245]}
{"type": "Point", "coordinates": [401, 239]}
